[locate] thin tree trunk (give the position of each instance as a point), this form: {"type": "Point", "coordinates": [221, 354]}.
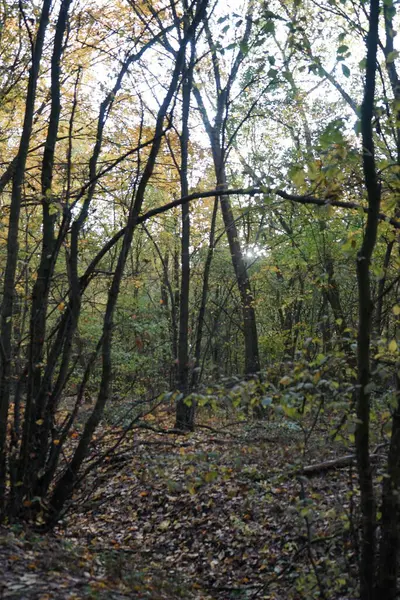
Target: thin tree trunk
{"type": "Point", "coordinates": [389, 543]}
{"type": "Point", "coordinates": [216, 132]}
{"type": "Point", "coordinates": [252, 360]}
{"type": "Point", "coordinates": [12, 244]}
{"type": "Point", "coordinates": [185, 412]}
{"type": "Point", "coordinates": [203, 301]}
{"type": "Point", "coordinates": [362, 433]}
{"type": "Point", "coordinates": [34, 410]}
{"type": "Point", "coordinates": [64, 487]}
{"type": "Point", "coordinates": [381, 289]}
{"type": "Point", "coordinates": [387, 579]}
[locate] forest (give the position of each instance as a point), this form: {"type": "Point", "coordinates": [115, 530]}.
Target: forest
{"type": "Point", "coordinates": [199, 299]}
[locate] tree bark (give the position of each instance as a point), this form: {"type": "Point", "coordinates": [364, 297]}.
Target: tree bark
{"type": "Point", "coordinates": [12, 243]}
{"type": "Point", "coordinates": [217, 136]}
{"type": "Point", "coordinates": [185, 412]}
{"type": "Point", "coordinates": [362, 433]}
{"type": "Point", "coordinates": [389, 541]}
{"type": "Point", "coordinates": [33, 434]}
{"type": "Point", "coordinates": [203, 302]}
{"type": "Point", "coordinates": [64, 487]}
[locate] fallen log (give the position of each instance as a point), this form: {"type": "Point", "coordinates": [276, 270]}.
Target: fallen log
{"type": "Point", "coordinates": [335, 463]}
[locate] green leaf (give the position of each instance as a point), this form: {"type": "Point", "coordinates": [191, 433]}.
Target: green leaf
{"type": "Point", "coordinates": [346, 70]}
{"type": "Point", "coordinates": [297, 176]}
{"type": "Point", "coordinates": [54, 208]}
{"type": "Point", "coordinates": [342, 49]}
{"type": "Point", "coordinates": [391, 57]}
{"type": "Point", "coordinates": [363, 64]}
{"type": "Point", "coordinates": [210, 476]}
{"type": "Point", "coordinates": [244, 47]}
{"type": "Point", "coordinates": [188, 401]}
{"type": "Point", "coordinates": [269, 27]}
{"type": "Point", "coordinates": [357, 127]}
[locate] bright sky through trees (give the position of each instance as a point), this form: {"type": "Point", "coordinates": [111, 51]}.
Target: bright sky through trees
{"type": "Point", "coordinates": [199, 220]}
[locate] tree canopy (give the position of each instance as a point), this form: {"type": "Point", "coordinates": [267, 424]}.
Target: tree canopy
{"type": "Point", "coordinates": [196, 199]}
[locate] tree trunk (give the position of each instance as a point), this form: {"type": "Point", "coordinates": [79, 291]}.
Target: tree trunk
{"type": "Point", "coordinates": [367, 499]}
{"type": "Point", "coordinates": [252, 360]}
{"type": "Point", "coordinates": [185, 412]}
{"type": "Point", "coordinates": [203, 301]}
{"type": "Point", "coordinates": [33, 435]}
{"type": "Point", "coordinates": [12, 244]}
{"type": "Point", "coordinates": [389, 542]}
{"type": "Point", "coordinates": [217, 135]}
{"type": "Point", "coordinates": [381, 289]}
{"type": "Point", "coordinates": [64, 487]}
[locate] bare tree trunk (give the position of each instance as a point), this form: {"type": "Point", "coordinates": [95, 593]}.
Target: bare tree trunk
{"type": "Point", "coordinates": [381, 289]}
{"type": "Point", "coordinates": [389, 542]}
{"type": "Point", "coordinates": [12, 243]}
{"type": "Point", "coordinates": [216, 132]}
{"type": "Point", "coordinates": [35, 409]}
{"type": "Point", "coordinates": [64, 487]}
{"type": "Point", "coordinates": [185, 412]}
{"type": "Point", "coordinates": [387, 579]}
{"type": "Point", "coordinates": [332, 294]}
{"type": "Point", "coordinates": [203, 301]}
{"type": "Point", "coordinates": [362, 433]}
{"type": "Point", "coordinates": [252, 360]}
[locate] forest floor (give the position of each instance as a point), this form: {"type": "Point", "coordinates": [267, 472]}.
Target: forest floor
{"type": "Point", "coordinates": [219, 514]}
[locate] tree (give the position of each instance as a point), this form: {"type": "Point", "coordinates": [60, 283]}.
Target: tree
{"type": "Point", "coordinates": [12, 242]}
{"type": "Point", "coordinates": [217, 134]}
{"type": "Point", "coordinates": [33, 464]}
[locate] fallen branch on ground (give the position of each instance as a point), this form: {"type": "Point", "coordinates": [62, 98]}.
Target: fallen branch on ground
{"type": "Point", "coordinates": [336, 463]}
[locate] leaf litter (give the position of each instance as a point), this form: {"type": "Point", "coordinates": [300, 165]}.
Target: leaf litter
{"type": "Point", "coordinates": [216, 514]}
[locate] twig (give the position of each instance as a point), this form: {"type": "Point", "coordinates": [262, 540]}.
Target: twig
{"type": "Point", "coordinates": [310, 553]}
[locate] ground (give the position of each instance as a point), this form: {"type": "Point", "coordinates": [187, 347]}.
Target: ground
{"type": "Point", "coordinates": [220, 514]}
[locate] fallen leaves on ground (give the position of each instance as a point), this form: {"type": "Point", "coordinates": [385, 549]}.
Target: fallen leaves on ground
{"type": "Point", "coordinates": [216, 514]}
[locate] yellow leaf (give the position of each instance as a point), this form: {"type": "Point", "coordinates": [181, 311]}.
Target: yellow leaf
{"type": "Point", "coordinates": [61, 306]}
{"type": "Point", "coordinates": [39, 422]}
{"type": "Point", "coordinates": [56, 442]}
{"type": "Point", "coordinates": [396, 309]}
{"type": "Point", "coordinates": [393, 346]}
{"type": "Point", "coordinates": [317, 377]}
